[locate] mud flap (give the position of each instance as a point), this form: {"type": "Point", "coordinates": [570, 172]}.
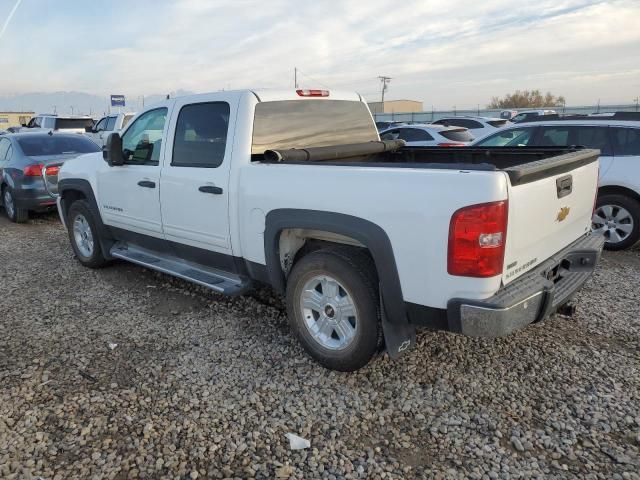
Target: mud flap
{"type": "Point", "coordinates": [398, 337]}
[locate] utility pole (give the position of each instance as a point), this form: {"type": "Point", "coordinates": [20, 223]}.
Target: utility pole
{"type": "Point", "coordinates": [637, 99]}
{"type": "Point", "coordinates": [71, 110]}
{"type": "Point", "coordinates": [295, 77]}
{"type": "Point", "coordinates": [385, 82]}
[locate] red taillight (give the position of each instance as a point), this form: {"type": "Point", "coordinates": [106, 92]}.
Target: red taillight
{"type": "Point", "coordinates": [476, 240]}
{"type": "Point", "coordinates": [312, 93]}
{"type": "Point", "coordinates": [52, 171]}
{"type": "Point", "coordinates": [33, 170]}
{"type": "Point", "coordinates": [452, 145]}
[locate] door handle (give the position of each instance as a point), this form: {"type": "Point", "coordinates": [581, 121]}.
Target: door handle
{"type": "Point", "coordinates": [147, 184]}
{"type": "Point", "coordinates": [210, 189]}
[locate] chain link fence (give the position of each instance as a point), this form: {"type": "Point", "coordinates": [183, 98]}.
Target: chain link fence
{"type": "Point", "coordinates": [430, 116]}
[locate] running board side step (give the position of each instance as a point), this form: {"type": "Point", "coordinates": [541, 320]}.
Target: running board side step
{"type": "Point", "coordinates": [216, 280]}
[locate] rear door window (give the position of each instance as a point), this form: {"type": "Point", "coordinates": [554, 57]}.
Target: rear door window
{"type": "Point", "coordinates": [414, 135]}
{"type": "Point", "coordinates": [626, 141]}
{"type": "Point", "coordinates": [585, 136]}
{"type": "Point", "coordinates": [201, 135]}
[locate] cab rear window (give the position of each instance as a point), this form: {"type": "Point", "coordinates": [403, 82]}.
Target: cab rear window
{"type": "Point", "coordinates": [310, 123]}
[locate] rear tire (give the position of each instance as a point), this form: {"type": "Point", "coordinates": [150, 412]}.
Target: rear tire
{"type": "Point", "coordinates": [14, 213]}
{"type": "Point", "coordinates": [333, 307]}
{"type": "Point", "coordinates": [84, 236]}
{"type": "Point", "coordinates": [617, 217]}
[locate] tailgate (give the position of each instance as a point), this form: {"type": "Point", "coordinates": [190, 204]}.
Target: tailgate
{"type": "Point", "coordinates": [550, 206]}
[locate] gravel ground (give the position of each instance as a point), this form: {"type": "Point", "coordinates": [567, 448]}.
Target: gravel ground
{"type": "Point", "coordinates": [202, 386]}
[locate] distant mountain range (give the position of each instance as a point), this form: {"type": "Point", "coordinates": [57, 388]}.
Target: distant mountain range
{"type": "Point", "coordinates": [65, 103]}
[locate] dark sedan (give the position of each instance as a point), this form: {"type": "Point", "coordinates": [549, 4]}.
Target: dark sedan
{"type": "Point", "coordinates": [29, 164]}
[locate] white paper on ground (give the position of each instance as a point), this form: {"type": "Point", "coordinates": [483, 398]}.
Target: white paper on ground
{"type": "Point", "coordinates": [296, 442]}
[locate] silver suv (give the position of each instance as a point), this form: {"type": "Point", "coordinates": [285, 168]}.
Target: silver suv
{"type": "Point", "coordinates": [617, 136]}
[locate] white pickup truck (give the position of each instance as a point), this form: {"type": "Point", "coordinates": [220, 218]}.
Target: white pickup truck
{"type": "Point", "coordinates": [107, 125]}
{"type": "Point", "coordinates": [367, 239]}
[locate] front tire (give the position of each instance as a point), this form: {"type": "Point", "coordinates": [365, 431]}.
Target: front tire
{"type": "Point", "coordinates": [14, 213]}
{"type": "Point", "coordinates": [84, 236]}
{"type": "Point", "coordinates": [617, 217]}
{"type": "Point", "coordinates": [333, 307]}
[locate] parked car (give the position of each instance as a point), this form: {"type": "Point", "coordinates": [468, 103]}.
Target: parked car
{"type": "Point", "coordinates": [385, 125]}
{"type": "Point", "coordinates": [528, 115]}
{"type": "Point", "coordinates": [508, 114]}
{"type": "Point", "coordinates": [429, 135]}
{"type": "Point", "coordinates": [29, 164]}
{"type": "Point", "coordinates": [52, 122]}
{"type": "Point", "coordinates": [478, 126]}
{"type": "Point", "coordinates": [617, 136]}
{"type": "Point", "coordinates": [111, 123]}
{"type": "Point", "coordinates": [294, 189]}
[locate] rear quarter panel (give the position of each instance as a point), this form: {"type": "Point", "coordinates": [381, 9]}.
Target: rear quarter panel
{"type": "Point", "coordinates": [413, 206]}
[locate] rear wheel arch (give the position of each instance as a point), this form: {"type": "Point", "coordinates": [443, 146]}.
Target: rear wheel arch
{"type": "Point", "coordinates": [618, 190]}
{"type": "Point", "coordinates": [348, 230]}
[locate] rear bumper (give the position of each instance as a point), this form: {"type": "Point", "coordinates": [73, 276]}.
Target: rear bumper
{"type": "Point", "coordinates": [531, 298]}
{"type": "Point", "coordinates": [34, 198]}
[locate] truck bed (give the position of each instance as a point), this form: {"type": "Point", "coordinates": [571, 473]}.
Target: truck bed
{"type": "Point", "coordinates": [522, 164]}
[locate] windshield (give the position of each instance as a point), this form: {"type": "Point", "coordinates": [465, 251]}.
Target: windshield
{"type": "Point", "coordinates": [517, 137]}
{"type": "Point", "coordinates": [68, 123]}
{"type": "Point", "coordinates": [36, 146]}
{"type": "Point", "coordinates": [310, 123]}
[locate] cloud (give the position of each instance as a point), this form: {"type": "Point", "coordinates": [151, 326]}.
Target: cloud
{"type": "Point", "coordinates": [444, 53]}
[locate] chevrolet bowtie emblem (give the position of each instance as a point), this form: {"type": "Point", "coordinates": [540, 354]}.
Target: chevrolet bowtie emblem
{"type": "Point", "coordinates": [562, 214]}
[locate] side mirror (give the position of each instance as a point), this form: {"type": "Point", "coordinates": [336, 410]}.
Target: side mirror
{"type": "Point", "coordinates": [88, 129]}
{"type": "Point", "coordinates": [112, 151]}
{"type": "Point", "coordinates": [23, 125]}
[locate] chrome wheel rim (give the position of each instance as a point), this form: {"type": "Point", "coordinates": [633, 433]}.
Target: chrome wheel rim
{"type": "Point", "coordinates": [614, 222]}
{"type": "Point", "coordinates": [8, 203]}
{"type": "Point", "coordinates": [83, 236]}
{"type": "Point", "coordinates": [329, 312]}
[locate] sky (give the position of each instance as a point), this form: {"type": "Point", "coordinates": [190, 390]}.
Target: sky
{"type": "Point", "coordinates": [444, 53]}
